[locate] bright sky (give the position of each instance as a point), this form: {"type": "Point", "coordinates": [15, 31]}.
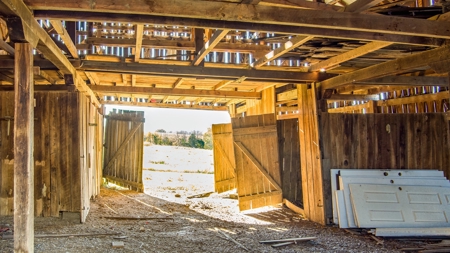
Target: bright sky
{"type": "Point", "coordinates": [177, 119]}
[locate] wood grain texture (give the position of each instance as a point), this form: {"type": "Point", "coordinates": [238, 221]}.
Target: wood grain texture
{"type": "Point", "coordinates": [23, 149]}
{"type": "Point", "coordinates": [384, 141]}
{"type": "Point", "coordinates": [289, 153]}
{"type": "Point", "coordinates": [257, 165]}
{"type": "Point", "coordinates": [224, 161]}
{"type": "Point", "coordinates": [124, 148]}
{"type": "Point", "coordinates": [310, 154]}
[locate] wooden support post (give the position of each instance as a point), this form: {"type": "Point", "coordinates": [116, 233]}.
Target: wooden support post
{"type": "Point", "coordinates": [23, 149]}
{"type": "Point", "coordinates": [310, 154]}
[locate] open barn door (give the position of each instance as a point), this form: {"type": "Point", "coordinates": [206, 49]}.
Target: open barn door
{"type": "Point", "coordinates": [224, 164]}
{"type": "Point", "coordinates": [124, 142]}
{"type": "Point", "coordinates": [257, 166]}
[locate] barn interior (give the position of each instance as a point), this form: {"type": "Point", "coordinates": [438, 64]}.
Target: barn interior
{"type": "Point", "coordinates": [310, 85]}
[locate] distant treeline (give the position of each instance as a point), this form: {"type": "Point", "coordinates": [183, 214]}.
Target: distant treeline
{"type": "Point", "coordinates": [194, 139]}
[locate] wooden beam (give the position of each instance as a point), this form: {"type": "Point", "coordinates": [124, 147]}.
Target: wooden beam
{"type": "Point", "coordinates": [209, 46]}
{"type": "Point", "coordinates": [61, 30]}
{"type": "Point", "coordinates": [357, 52]}
{"type": "Point", "coordinates": [351, 108]}
{"type": "Point", "coordinates": [288, 116]}
{"type": "Point", "coordinates": [175, 92]}
{"type": "Point", "coordinates": [287, 95]}
{"type": "Point", "coordinates": [226, 11]}
{"type": "Point", "coordinates": [172, 44]}
{"type": "Point", "coordinates": [361, 5]}
{"type": "Point", "coordinates": [301, 4]}
{"type": "Point", "coordinates": [172, 106]}
{"type": "Point", "coordinates": [415, 99]}
{"type": "Point", "coordinates": [5, 46]}
{"type": "Point", "coordinates": [47, 77]}
{"type": "Point", "coordinates": [39, 38]}
{"type": "Point", "coordinates": [206, 72]}
{"type": "Point", "coordinates": [93, 78]}
{"type": "Point", "coordinates": [254, 2]}
{"type": "Point", "coordinates": [23, 149]}
{"type": "Point", "coordinates": [177, 83]}
{"type": "Point", "coordinates": [222, 84]}
{"type": "Point", "coordinates": [286, 47]}
{"type": "Point", "coordinates": [353, 97]}
{"type": "Point", "coordinates": [133, 80]}
{"type": "Point", "coordinates": [389, 68]}
{"type": "Point", "coordinates": [407, 81]}
{"type": "Point", "coordinates": [139, 34]}
{"type": "Point", "coordinates": [237, 25]}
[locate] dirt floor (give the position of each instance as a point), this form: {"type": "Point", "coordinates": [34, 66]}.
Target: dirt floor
{"type": "Point", "coordinates": [165, 219]}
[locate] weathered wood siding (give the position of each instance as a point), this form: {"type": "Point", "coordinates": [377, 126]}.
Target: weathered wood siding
{"type": "Point", "coordinates": [58, 168]}
{"type": "Point", "coordinates": [289, 149]}
{"type": "Point", "coordinates": [124, 147]}
{"type": "Point", "coordinates": [224, 162]}
{"type": "Point", "coordinates": [383, 141]}
{"type": "Point", "coordinates": [257, 165]}
{"type": "Point", "coordinates": [263, 106]}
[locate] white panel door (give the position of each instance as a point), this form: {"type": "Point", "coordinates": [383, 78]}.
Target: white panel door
{"type": "Point", "coordinates": [345, 181]}
{"type": "Point", "coordinates": [388, 206]}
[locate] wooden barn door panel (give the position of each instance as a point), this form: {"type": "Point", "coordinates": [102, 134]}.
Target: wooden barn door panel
{"type": "Point", "coordinates": [257, 166]}
{"type": "Point", "coordinates": [224, 163]}
{"type": "Point", "coordinates": [289, 145]}
{"type": "Point", "coordinates": [124, 148]}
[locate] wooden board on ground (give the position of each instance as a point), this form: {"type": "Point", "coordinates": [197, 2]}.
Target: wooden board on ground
{"type": "Point", "coordinates": [257, 166]}
{"type": "Point", "coordinates": [224, 162]}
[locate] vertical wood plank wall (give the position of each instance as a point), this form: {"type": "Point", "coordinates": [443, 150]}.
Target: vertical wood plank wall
{"type": "Point", "coordinates": [265, 105]}
{"type": "Point", "coordinates": [224, 162]}
{"type": "Point", "coordinates": [289, 148]}
{"type": "Point", "coordinates": [124, 145]}
{"type": "Point", "coordinates": [310, 156]}
{"type": "Point", "coordinates": [57, 158]}
{"type": "Point", "coordinates": [383, 141]}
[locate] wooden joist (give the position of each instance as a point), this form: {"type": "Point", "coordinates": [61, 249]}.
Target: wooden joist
{"type": "Point", "coordinates": [206, 72]}
{"type": "Point", "coordinates": [361, 5]}
{"type": "Point", "coordinates": [353, 97]}
{"type": "Point", "coordinates": [175, 92]}
{"type": "Point", "coordinates": [139, 34]}
{"type": "Point", "coordinates": [407, 81]}
{"type": "Point", "coordinates": [171, 44]}
{"type": "Point", "coordinates": [357, 52]}
{"type": "Point", "coordinates": [41, 40]}
{"type": "Point", "coordinates": [286, 47]}
{"type": "Point", "coordinates": [301, 4]}
{"type": "Point", "coordinates": [61, 30]}
{"type": "Point", "coordinates": [390, 67]}
{"type": "Point", "coordinates": [237, 25]}
{"type": "Point", "coordinates": [170, 106]}
{"type": "Point", "coordinates": [209, 46]}
{"type": "Point", "coordinates": [226, 11]}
